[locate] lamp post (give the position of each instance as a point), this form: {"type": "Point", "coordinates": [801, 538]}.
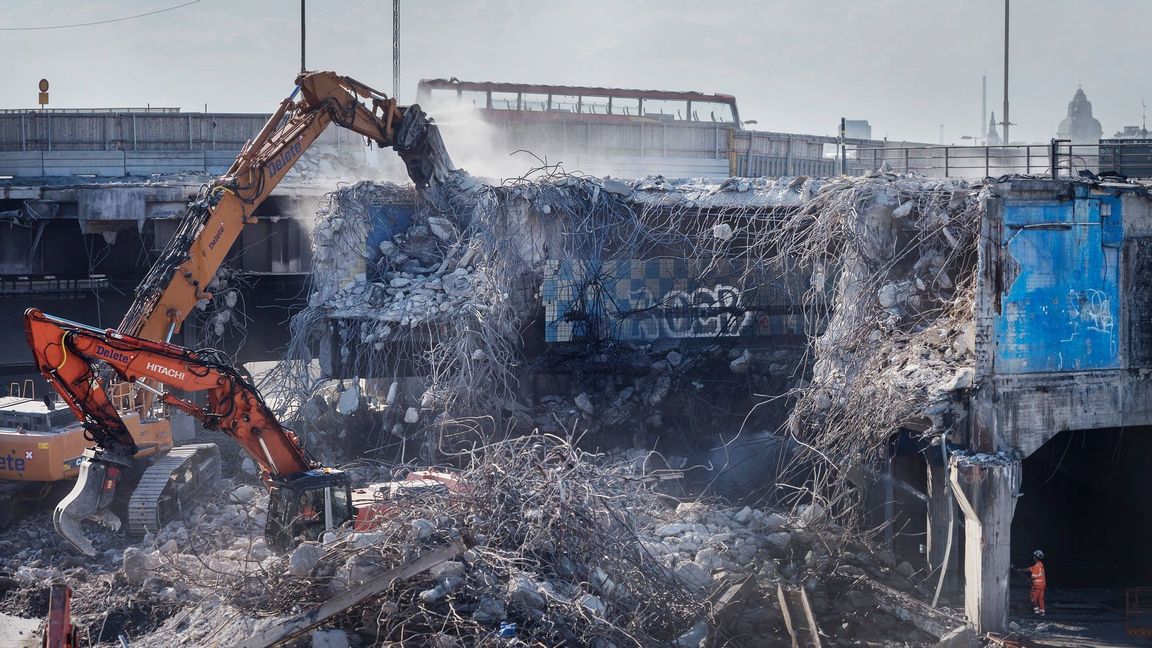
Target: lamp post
{"type": "Point", "coordinates": [1006, 120]}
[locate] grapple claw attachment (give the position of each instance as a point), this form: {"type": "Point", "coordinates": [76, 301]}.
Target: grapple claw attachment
{"type": "Point", "coordinates": [90, 497]}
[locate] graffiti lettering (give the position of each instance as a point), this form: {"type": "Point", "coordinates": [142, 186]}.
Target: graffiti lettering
{"type": "Point", "coordinates": [1090, 310]}
{"type": "Point", "coordinates": [714, 311]}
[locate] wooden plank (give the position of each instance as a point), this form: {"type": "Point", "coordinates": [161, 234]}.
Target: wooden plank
{"type": "Point", "coordinates": [787, 614]}
{"type": "Point", "coordinates": [813, 631]}
{"type": "Point", "coordinates": [297, 624]}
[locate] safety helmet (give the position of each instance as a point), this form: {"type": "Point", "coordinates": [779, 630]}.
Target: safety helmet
{"type": "Point", "coordinates": [1038, 555]}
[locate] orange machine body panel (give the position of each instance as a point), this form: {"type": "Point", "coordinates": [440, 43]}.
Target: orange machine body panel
{"type": "Point", "coordinates": [375, 504]}
{"type": "Point", "coordinates": [39, 445]}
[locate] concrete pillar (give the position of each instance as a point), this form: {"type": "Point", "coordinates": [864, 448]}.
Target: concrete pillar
{"type": "Point", "coordinates": [985, 486]}
{"type": "Point", "coordinates": [943, 523]}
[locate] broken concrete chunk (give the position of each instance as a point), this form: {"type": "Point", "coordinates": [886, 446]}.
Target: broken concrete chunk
{"type": "Point", "coordinates": [779, 541]}
{"type": "Point", "coordinates": [448, 570]}
{"type": "Point", "coordinates": [422, 528]}
{"type": "Point", "coordinates": [489, 610]}
{"type": "Point", "coordinates": [617, 187]}
{"type": "Point", "coordinates": [458, 284]}
{"type": "Point", "coordinates": [809, 516]}
{"type": "Point", "coordinates": [411, 415]}
{"type": "Point", "coordinates": [330, 639]}
{"type": "Point", "coordinates": [593, 604]}
{"type": "Point", "coordinates": [670, 530]}
{"type": "Point", "coordinates": [243, 494]}
{"type": "Point", "coordinates": [743, 515]}
{"type": "Point", "coordinates": [349, 400]}
{"type": "Point", "coordinates": [249, 467]}
{"type": "Point", "coordinates": [770, 522]}
{"type": "Point", "coordinates": [432, 595]}
{"type": "Point", "coordinates": [962, 637]}
{"type": "Point", "coordinates": [304, 559]}
{"type": "Point", "coordinates": [722, 231]}
{"type": "Point", "coordinates": [961, 380]}
{"type": "Point", "coordinates": [889, 295]}
{"type": "Point", "coordinates": [522, 593]}
{"type": "Point", "coordinates": [137, 565]}
{"type": "Point", "coordinates": [693, 575]}
{"type": "Point", "coordinates": [442, 228]}
{"type": "Point", "coordinates": [585, 404]}
{"type": "Point", "coordinates": [741, 364]}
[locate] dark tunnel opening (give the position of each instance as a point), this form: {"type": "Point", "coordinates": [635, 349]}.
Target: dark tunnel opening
{"type": "Point", "coordinates": [1085, 503]}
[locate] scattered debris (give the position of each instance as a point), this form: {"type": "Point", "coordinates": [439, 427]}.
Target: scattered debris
{"type": "Point", "coordinates": [569, 547]}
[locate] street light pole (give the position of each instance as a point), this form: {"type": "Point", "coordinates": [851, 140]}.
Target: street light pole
{"type": "Point", "coordinates": [1006, 120]}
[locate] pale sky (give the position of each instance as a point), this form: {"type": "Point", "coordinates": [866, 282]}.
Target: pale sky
{"type": "Point", "coordinates": [907, 66]}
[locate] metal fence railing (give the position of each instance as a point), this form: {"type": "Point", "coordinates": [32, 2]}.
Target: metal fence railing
{"type": "Point", "coordinates": [1132, 158]}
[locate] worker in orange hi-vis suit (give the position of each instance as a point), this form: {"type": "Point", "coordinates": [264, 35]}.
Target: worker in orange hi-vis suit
{"type": "Point", "coordinates": [1039, 582]}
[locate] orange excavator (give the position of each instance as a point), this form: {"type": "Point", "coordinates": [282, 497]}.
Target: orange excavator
{"type": "Point", "coordinates": [306, 498]}
{"type": "Point", "coordinates": [116, 409]}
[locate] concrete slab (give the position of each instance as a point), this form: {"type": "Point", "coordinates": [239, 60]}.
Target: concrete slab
{"type": "Point", "coordinates": [16, 632]}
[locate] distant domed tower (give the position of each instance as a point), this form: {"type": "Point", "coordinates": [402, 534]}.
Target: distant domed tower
{"type": "Point", "coordinates": [1080, 126]}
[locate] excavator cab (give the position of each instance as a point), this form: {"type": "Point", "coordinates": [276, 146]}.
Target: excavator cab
{"type": "Point", "coordinates": [304, 507]}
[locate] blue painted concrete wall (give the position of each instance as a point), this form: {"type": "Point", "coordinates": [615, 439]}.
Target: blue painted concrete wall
{"type": "Point", "coordinates": [1059, 267]}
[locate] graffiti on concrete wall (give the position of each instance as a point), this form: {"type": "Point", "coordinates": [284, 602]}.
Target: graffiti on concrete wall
{"type": "Point", "coordinates": [708, 311]}
{"type": "Point", "coordinates": [649, 299]}
{"type": "Point", "coordinates": [1090, 311]}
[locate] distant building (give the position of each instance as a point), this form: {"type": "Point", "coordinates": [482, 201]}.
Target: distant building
{"type": "Point", "coordinates": [992, 138]}
{"type": "Point", "coordinates": [1080, 126]}
{"type": "Point", "coordinates": [1132, 132]}
{"type": "Point", "coordinates": [857, 129]}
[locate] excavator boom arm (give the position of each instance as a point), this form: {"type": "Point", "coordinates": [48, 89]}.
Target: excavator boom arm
{"type": "Point", "coordinates": [70, 355]}
{"type": "Point", "coordinates": [180, 277]}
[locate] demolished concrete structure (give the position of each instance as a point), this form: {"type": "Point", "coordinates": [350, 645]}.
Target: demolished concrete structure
{"type": "Point", "coordinates": [920, 298]}
{"type": "Point", "coordinates": [861, 323]}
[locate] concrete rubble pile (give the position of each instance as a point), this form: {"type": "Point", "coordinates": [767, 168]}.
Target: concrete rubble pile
{"type": "Point", "coordinates": [890, 261]}
{"type": "Point", "coordinates": [421, 275]}
{"type": "Point", "coordinates": [456, 285]}
{"type": "Point", "coordinates": [566, 548]}
{"type": "Point", "coordinates": [896, 257]}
